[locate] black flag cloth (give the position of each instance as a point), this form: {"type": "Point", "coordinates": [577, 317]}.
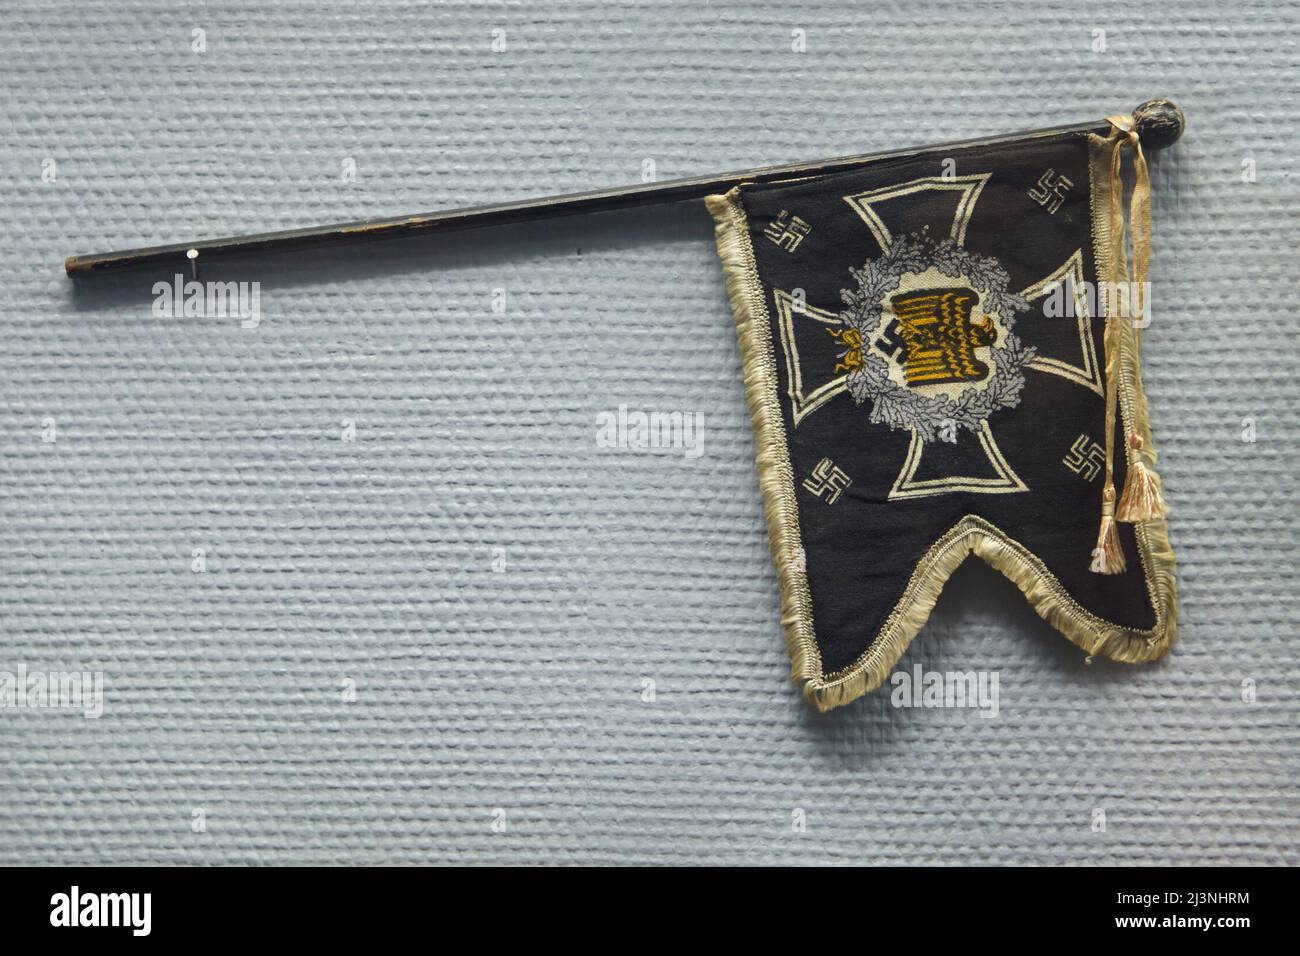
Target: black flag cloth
{"type": "Point", "coordinates": [941, 357]}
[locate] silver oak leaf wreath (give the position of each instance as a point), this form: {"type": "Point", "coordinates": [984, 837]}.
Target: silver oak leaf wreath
{"type": "Point", "coordinates": [903, 408]}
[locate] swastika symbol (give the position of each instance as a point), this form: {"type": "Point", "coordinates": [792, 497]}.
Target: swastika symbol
{"type": "Point", "coordinates": [787, 231]}
{"type": "Point", "coordinates": [1050, 190]}
{"type": "Point", "coordinates": [889, 342]}
{"type": "Point", "coordinates": [827, 478]}
{"type": "Point", "coordinates": [1085, 458]}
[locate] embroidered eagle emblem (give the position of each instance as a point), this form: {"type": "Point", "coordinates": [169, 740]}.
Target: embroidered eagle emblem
{"type": "Point", "coordinates": [937, 337]}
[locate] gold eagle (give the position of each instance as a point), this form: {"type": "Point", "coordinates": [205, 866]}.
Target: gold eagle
{"type": "Point", "coordinates": [938, 338]}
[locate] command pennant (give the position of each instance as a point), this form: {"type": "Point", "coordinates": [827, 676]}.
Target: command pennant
{"type": "Point", "coordinates": [940, 356]}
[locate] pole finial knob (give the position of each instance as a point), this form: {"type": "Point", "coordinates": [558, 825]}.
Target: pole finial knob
{"type": "Point", "coordinates": [1159, 123]}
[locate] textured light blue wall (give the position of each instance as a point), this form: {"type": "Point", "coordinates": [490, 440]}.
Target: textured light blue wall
{"type": "Point", "coordinates": [373, 561]}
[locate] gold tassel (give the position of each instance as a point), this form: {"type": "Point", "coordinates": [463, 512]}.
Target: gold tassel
{"type": "Point", "coordinates": [1141, 500]}
{"type": "Point", "coordinates": [1108, 556]}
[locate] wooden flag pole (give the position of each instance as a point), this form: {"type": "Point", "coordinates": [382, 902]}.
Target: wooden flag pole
{"type": "Point", "coordinates": [1159, 123]}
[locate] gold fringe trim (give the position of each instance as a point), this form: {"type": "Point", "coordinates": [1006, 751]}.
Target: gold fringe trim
{"type": "Point", "coordinates": [970, 535]}
{"type": "Point", "coordinates": [775, 474]}
{"type": "Point", "coordinates": [1024, 569]}
{"type": "Point", "coordinates": [1154, 549]}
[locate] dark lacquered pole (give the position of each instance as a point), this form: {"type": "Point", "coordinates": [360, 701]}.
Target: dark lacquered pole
{"type": "Point", "coordinates": [1159, 122]}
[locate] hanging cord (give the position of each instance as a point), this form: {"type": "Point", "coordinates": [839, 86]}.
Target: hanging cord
{"type": "Point", "coordinates": [1141, 500]}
